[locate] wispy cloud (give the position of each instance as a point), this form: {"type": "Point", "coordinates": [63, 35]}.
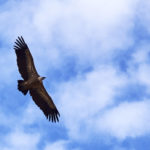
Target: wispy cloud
{"type": "Point", "coordinates": [59, 145]}
{"type": "Point", "coordinates": [20, 140]}
{"type": "Point", "coordinates": [87, 96]}
{"type": "Point", "coordinates": [126, 120]}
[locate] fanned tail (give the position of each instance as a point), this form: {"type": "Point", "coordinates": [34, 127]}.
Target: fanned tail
{"type": "Point", "coordinates": [21, 87]}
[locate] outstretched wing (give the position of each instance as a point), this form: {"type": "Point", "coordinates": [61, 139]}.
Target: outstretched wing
{"type": "Point", "coordinates": [24, 59]}
{"type": "Point", "coordinates": [44, 101]}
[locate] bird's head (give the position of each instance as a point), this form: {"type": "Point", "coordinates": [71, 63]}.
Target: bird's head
{"type": "Point", "coordinates": [43, 78]}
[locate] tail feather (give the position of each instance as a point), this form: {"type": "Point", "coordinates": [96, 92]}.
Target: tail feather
{"type": "Point", "coordinates": [21, 87]}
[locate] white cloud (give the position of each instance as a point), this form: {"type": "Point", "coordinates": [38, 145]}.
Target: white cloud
{"type": "Point", "coordinates": [32, 114]}
{"type": "Point", "coordinates": [17, 136]}
{"type": "Point", "coordinates": [59, 145]}
{"type": "Point", "coordinates": [20, 140]}
{"type": "Point", "coordinates": [89, 30]}
{"type": "Point", "coordinates": [8, 68]}
{"type": "Point", "coordinates": [141, 55]}
{"type": "Point", "coordinates": [122, 148]}
{"type": "Point", "coordinates": [143, 74]}
{"type": "Point", "coordinates": [143, 15]}
{"type": "Point", "coordinates": [139, 65]}
{"type": "Point", "coordinates": [129, 119]}
{"type": "Point", "coordinates": [85, 98]}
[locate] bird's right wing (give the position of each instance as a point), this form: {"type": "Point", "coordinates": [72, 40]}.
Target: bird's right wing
{"type": "Point", "coordinates": [45, 102]}
{"type": "Point", "coordinates": [24, 59]}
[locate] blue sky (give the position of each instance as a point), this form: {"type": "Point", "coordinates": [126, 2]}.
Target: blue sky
{"type": "Point", "coordinates": [96, 57]}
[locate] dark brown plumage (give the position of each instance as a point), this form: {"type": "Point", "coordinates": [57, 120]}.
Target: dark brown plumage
{"type": "Point", "coordinates": [33, 82]}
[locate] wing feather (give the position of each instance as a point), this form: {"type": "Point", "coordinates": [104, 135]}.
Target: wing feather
{"type": "Point", "coordinates": [45, 102]}
{"type": "Point", "coordinates": [24, 59]}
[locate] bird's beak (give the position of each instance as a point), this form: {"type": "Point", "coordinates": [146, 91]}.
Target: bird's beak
{"type": "Point", "coordinates": [43, 78]}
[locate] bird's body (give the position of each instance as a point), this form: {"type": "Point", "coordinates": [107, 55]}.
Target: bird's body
{"type": "Point", "coordinates": [32, 81]}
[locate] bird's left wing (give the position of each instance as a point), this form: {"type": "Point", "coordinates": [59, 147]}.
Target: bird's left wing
{"type": "Point", "coordinates": [24, 59]}
{"type": "Point", "coordinates": [45, 102]}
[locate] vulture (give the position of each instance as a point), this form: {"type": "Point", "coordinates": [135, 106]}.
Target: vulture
{"type": "Point", "coordinates": [32, 82]}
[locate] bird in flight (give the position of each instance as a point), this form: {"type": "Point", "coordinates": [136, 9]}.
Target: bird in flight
{"type": "Point", "coordinates": [32, 82]}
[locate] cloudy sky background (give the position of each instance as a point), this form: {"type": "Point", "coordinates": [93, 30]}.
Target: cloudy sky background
{"type": "Point", "coordinates": [96, 57]}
